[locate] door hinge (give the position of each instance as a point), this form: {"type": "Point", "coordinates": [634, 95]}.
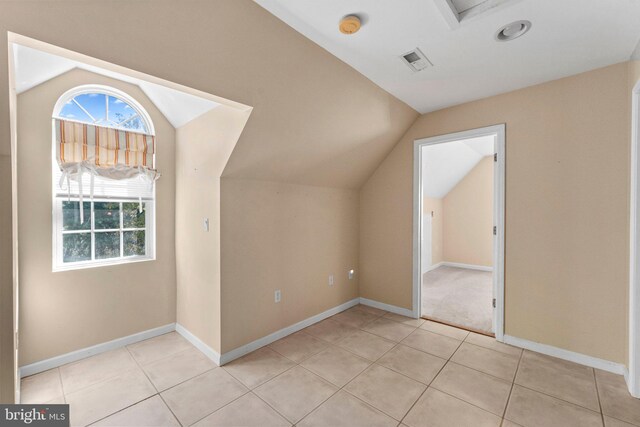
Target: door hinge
{"type": "Point", "coordinates": [495, 157]}
{"type": "Point", "coordinates": [495, 230]}
{"type": "Point", "coordinates": [494, 303]}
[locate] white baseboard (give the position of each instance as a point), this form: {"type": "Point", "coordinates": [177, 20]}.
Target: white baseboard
{"type": "Point", "coordinates": [468, 266]}
{"type": "Point", "coordinates": [571, 356]}
{"type": "Point", "coordinates": [433, 267]}
{"type": "Point", "coordinates": [261, 342]}
{"type": "Point", "coordinates": [199, 344]}
{"type": "Point", "coordinates": [388, 307]}
{"type": "Point", "coordinates": [74, 356]}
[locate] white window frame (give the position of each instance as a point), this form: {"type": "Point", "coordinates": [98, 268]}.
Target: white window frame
{"type": "Point", "coordinates": [58, 197]}
{"type": "Point", "coordinates": [59, 233]}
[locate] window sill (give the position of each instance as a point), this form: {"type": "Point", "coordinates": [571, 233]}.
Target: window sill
{"type": "Point", "coordinates": [105, 263]}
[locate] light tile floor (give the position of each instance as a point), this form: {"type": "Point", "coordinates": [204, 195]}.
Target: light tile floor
{"type": "Point", "coordinates": [362, 367]}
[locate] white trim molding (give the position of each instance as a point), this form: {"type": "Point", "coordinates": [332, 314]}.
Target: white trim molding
{"type": "Point", "coordinates": [499, 131]}
{"type": "Point", "coordinates": [633, 379]}
{"type": "Point", "coordinates": [388, 307]}
{"type": "Point", "coordinates": [571, 356]}
{"type": "Point", "coordinates": [467, 266]}
{"type": "Point", "coordinates": [199, 344]}
{"type": "Point", "coordinates": [74, 356]}
{"type": "Point", "coordinates": [434, 266]}
{"type": "Point", "coordinates": [261, 342]}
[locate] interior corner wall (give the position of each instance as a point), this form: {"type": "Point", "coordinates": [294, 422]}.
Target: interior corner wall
{"type": "Point", "coordinates": [287, 237]}
{"type": "Point", "coordinates": [6, 285]}
{"type": "Point", "coordinates": [567, 210]}
{"type": "Point", "coordinates": [202, 148]}
{"type": "Point", "coordinates": [433, 207]}
{"type": "Point", "coordinates": [69, 310]}
{"type": "Point", "coordinates": [468, 218]}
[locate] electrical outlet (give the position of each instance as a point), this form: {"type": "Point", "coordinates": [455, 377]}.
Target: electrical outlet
{"type": "Point", "coordinates": [278, 296]}
{"type": "Point", "coordinates": [352, 274]}
{"type": "Point", "coordinates": [331, 281]}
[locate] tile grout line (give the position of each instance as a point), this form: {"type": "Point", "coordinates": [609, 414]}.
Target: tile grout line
{"type": "Point", "coordinates": [513, 381]}
{"type": "Point", "coordinates": [252, 390]}
{"type": "Point", "coordinates": [371, 363]}
{"type": "Point", "coordinates": [595, 380]}
{"type": "Point", "coordinates": [100, 354]}
{"type": "Point", "coordinates": [348, 382]}
{"type": "Point", "coordinates": [157, 393]}
{"type": "Point", "coordinates": [64, 395]}
{"type": "Point", "coordinates": [430, 382]}
{"type": "Point", "coordinates": [220, 408]}
{"type": "Point", "coordinates": [123, 409]}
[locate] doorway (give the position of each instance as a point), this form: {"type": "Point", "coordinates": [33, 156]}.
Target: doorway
{"type": "Point", "coordinates": [459, 229]}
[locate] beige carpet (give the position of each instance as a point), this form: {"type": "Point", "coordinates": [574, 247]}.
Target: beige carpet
{"type": "Point", "coordinates": [459, 296]}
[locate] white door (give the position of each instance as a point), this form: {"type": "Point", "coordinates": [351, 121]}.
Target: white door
{"type": "Point", "coordinates": [426, 241]}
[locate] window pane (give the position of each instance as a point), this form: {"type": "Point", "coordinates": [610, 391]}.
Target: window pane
{"type": "Point", "coordinates": [123, 116]}
{"type": "Point", "coordinates": [133, 218]}
{"type": "Point", "coordinates": [106, 215]}
{"type": "Point", "coordinates": [134, 243]}
{"type": "Point", "coordinates": [71, 111]}
{"type": "Point", "coordinates": [107, 245]}
{"type": "Point", "coordinates": [76, 247]}
{"type": "Point", "coordinates": [95, 104]}
{"type": "Point", "coordinates": [71, 216]}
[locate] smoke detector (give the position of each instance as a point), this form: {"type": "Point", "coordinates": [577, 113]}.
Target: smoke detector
{"type": "Point", "coordinates": [350, 24]}
{"type": "Point", "coordinates": [513, 31]}
{"type": "Point", "coordinates": [416, 60]}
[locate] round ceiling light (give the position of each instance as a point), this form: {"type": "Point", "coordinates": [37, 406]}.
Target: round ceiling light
{"type": "Point", "coordinates": [350, 24]}
{"type": "Point", "coordinates": [513, 31]}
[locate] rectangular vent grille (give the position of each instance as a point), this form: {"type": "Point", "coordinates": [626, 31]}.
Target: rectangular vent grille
{"type": "Point", "coordinates": [416, 60]}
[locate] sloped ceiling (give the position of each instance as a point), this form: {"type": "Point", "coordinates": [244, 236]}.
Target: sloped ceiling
{"type": "Point", "coordinates": [567, 37]}
{"type": "Point", "coordinates": [445, 165]}
{"type": "Point", "coordinates": [34, 67]}
{"type": "Point", "coordinates": [315, 120]}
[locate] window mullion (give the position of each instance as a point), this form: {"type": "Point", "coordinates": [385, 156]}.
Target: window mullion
{"type": "Point", "coordinates": [121, 231]}
{"type": "Point", "coordinates": [93, 234]}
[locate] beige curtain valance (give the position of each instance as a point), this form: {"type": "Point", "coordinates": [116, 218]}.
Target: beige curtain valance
{"type": "Point", "coordinates": [103, 152]}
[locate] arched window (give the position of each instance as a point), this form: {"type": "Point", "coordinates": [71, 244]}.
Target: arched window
{"type": "Point", "coordinates": [103, 159]}
{"type": "Point", "coordinates": [102, 106]}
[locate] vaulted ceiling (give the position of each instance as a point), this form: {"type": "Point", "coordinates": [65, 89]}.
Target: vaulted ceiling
{"type": "Point", "coordinates": [34, 67]}
{"type": "Point", "coordinates": [445, 165]}
{"type": "Point", "coordinates": [315, 120]}
{"type": "Point", "coordinates": [567, 37]}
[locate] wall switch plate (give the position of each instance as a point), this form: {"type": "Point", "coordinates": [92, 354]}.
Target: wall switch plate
{"type": "Point", "coordinates": [331, 281]}
{"type": "Point", "coordinates": [205, 224]}
{"type": "Point", "coordinates": [352, 274]}
{"type": "Point", "coordinates": [278, 296]}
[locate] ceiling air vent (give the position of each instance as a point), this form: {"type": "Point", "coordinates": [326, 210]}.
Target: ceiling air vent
{"type": "Point", "coordinates": [416, 60]}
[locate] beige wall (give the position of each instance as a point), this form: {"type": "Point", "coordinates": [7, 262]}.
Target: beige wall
{"type": "Point", "coordinates": [202, 149]}
{"type": "Point", "coordinates": [6, 284]}
{"type": "Point", "coordinates": [316, 120]}
{"type": "Point", "coordinates": [287, 237]}
{"type": "Point", "coordinates": [468, 218]}
{"type": "Point", "coordinates": [66, 311]}
{"type": "Point", "coordinates": [433, 207]}
{"type": "Point", "coordinates": [567, 208]}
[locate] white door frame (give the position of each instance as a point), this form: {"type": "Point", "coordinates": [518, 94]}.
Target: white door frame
{"type": "Point", "coordinates": [633, 379]}
{"type": "Point", "coordinates": [498, 215]}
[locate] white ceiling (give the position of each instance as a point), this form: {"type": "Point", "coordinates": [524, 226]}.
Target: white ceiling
{"type": "Point", "coordinates": [567, 37]}
{"type": "Point", "coordinates": [33, 67]}
{"type": "Point", "coordinates": [463, 5]}
{"type": "Point", "coordinates": [445, 165]}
